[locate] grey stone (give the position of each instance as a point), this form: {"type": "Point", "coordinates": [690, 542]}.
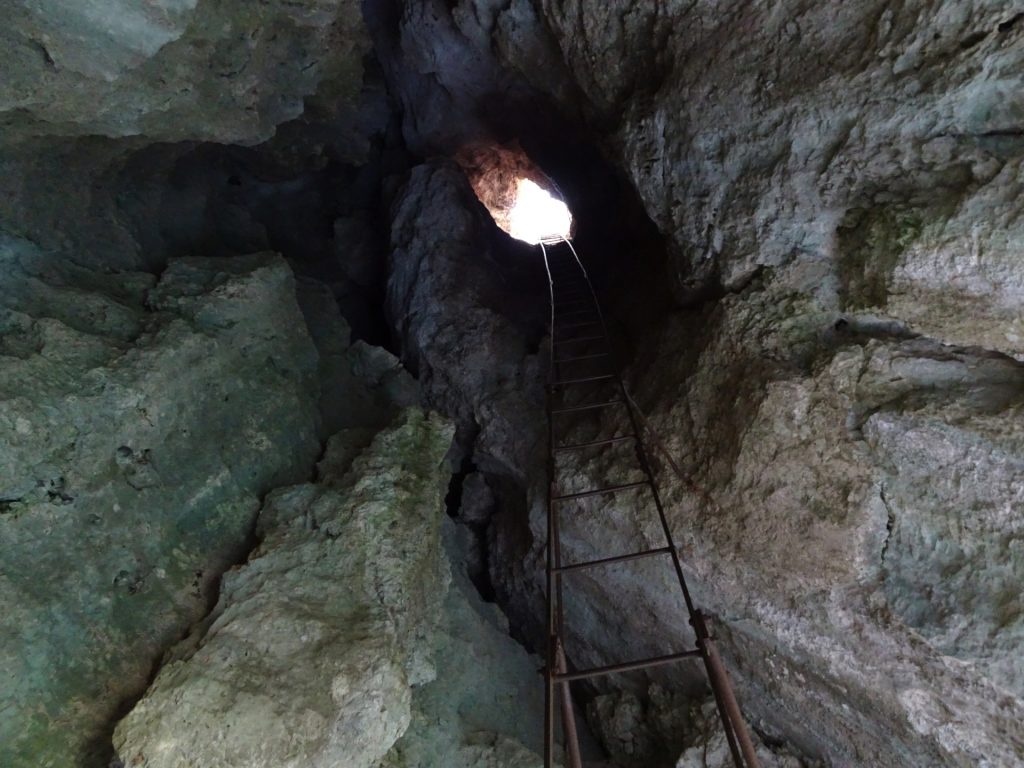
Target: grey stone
{"type": "Point", "coordinates": [484, 705]}
{"type": "Point", "coordinates": [309, 656]}
{"type": "Point", "coordinates": [471, 360]}
{"type": "Point", "coordinates": [135, 443]}
{"type": "Point", "coordinates": [346, 633]}
{"type": "Point", "coordinates": [477, 499]}
{"type": "Point", "coordinates": [175, 69]}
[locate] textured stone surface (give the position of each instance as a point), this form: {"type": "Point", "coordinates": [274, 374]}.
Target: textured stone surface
{"type": "Point", "coordinates": [467, 325]}
{"type": "Point", "coordinates": [840, 184]}
{"type": "Point", "coordinates": [309, 656]}
{"type": "Point", "coordinates": [765, 135]}
{"type": "Point", "coordinates": [360, 385]}
{"type": "Point", "coordinates": [346, 630]}
{"type": "Point", "coordinates": [671, 730]}
{"type": "Point", "coordinates": [142, 419]}
{"type": "Point", "coordinates": [439, 58]}
{"type": "Point", "coordinates": [445, 302]}
{"type": "Point", "coordinates": [712, 751]}
{"type": "Point", "coordinates": [853, 523]}
{"type": "Point", "coordinates": [174, 69]}
{"type": "Point", "coordinates": [486, 702]}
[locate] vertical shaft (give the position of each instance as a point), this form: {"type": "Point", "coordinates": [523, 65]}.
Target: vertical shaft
{"type": "Point", "coordinates": [738, 738]}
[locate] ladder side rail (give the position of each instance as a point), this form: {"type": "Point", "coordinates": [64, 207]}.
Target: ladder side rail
{"type": "Point", "coordinates": [728, 708]}
{"type": "Point", "coordinates": [551, 660]}
{"type": "Point", "coordinates": [708, 652]}
{"type": "Point", "coordinates": [556, 663]}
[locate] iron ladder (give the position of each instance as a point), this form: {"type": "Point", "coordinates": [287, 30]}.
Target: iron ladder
{"type": "Point", "coordinates": [579, 343]}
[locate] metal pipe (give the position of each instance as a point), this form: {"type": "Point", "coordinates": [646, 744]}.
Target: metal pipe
{"type": "Point", "coordinates": [629, 666]}
{"type": "Point", "coordinates": [594, 443]}
{"type": "Point", "coordinates": [723, 688]}
{"type": "Point", "coordinates": [613, 560]}
{"type": "Point", "coordinates": [600, 491]}
{"type": "Point", "coordinates": [572, 741]}
{"type": "Point", "coordinates": [549, 668]}
{"type": "Point", "coordinates": [588, 406]}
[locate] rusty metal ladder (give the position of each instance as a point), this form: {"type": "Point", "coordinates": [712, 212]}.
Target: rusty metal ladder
{"type": "Point", "coordinates": [581, 355]}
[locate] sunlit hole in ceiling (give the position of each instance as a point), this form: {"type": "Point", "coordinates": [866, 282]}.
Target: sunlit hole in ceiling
{"type": "Point", "coordinates": [536, 216]}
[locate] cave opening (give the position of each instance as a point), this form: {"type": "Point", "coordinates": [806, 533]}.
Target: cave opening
{"type": "Point", "coordinates": [274, 347]}
{"type": "Point", "coordinates": [537, 216]}
{"type": "Point", "coordinates": [522, 200]}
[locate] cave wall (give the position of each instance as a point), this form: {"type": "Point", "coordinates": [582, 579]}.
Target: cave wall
{"type": "Point", "coordinates": [174, 70]}
{"type": "Point", "coordinates": [775, 135]}
{"type": "Point", "coordinates": [830, 347]}
{"type": "Point", "coordinates": [847, 175]}
{"type": "Point", "coordinates": [164, 368]}
{"type": "Point", "coordinates": [134, 462]}
{"type": "Point", "coordinates": [839, 375]}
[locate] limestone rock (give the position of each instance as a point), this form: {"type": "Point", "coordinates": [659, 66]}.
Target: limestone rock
{"type": "Point", "coordinates": [850, 516]}
{"type": "Point", "coordinates": [876, 142]}
{"type": "Point", "coordinates": [712, 750]}
{"type": "Point", "coordinates": [451, 305]}
{"type": "Point", "coordinates": [142, 420]}
{"type": "Point", "coordinates": [361, 386]}
{"type": "Point", "coordinates": [309, 656]}
{"type": "Point", "coordinates": [477, 499]}
{"type": "Point", "coordinates": [444, 302]}
{"type": "Point", "coordinates": [175, 69]}
{"type": "Point", "coordinates": [486, 703]}
{"type": "Point", "coordinates": [843, 180]}
{"type": "Point", "coordinates": [346, 630]}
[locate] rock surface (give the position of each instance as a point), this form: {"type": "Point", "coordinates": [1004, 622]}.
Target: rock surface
{"type": "Point", "coordinates": [850, 177]}
{"type": "Point", "coordinates": [453, 306]}
{"type": "Point", "coordinates": [345, 631]}
{"type": "Point", "coordinates": [142, 420]}
{"type": "Point", "coordinates": [174, 70]}
{"type": "Point", "coordinates": [486, 702]}
{"type": "Point", "coordinates": [856, 537]}
{"type": "Point", "coordinates": [838, 187]}
{"type": "Point", "coordinates": [309, 656]}
{"type": "Point", "coordinates": [875, 150]}
{"type": "Point", "coordinates": [448, 306]}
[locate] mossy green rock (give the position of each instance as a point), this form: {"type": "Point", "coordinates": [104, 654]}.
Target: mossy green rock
{"type": "Point", "coordinates": [140, 422]}
{"type": "Point", "coordinates": [174, 70]}
{"type": "Point", "coordinates": [309, 656]}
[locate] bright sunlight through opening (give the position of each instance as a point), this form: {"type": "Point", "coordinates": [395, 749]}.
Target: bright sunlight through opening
{"type": "Point", "coordinates": [537, 217]}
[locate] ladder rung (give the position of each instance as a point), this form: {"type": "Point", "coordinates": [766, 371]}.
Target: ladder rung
{"type": "Point", "coordinates": [587, 407]}
{"type": "Point", "coordinates": [626, 666]}
{"type": "Point", "coordinates": [575, 312]}
{"type": "Point", "coordinates": [610, 560]}
{"type": "Point", "coordinates": [582, 338]}
{"type": "Point", "coordinates": [582, 357]}
{"type": "Point", "coordinates": [584, 380]}
{"type": "Point", "coordinates": [599, 491]}
{"type": "Point", "coordinates": [585, 300]}
{"type": "Point", "coordinates": [587, 324]}
{"type": "Point", "coordinates": [594, 443]}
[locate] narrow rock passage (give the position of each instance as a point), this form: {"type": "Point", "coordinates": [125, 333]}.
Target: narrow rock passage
{"type": "Point", "coordinates": [257, 310]}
